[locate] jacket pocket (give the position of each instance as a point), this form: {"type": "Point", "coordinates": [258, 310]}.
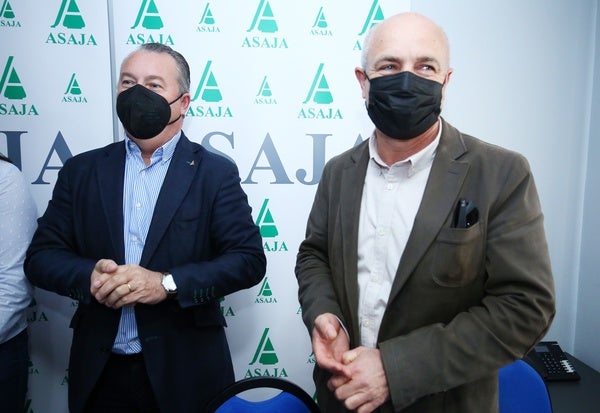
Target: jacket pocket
{"type": "Point", "coordinates": [458, 256]}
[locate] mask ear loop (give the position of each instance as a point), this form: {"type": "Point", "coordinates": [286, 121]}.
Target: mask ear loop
{"type": "Point", "coordinates": [176, 99]}
{"type": "Point", "coordinates": [178, 117]}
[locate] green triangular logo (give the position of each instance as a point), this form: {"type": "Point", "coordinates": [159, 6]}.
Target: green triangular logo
{"type": "Point", "coordinates": [28, 408]}
{"type": "Point", "coordinates": [375, 16]}
{"type": "Point", "coordinates": [148, 16]}
{"type": "Point", "coordinates": [69, 15]}
{"type": "Point", "coordinates": [73, 87]}
{"type": "Point", "coordinates": [10, 84]}
{"type": "Point", "coordinates": [207, 16]}
{"type": "Point", "coordinates": [208, 89]}
{"type": "Point", "coordinates": [264, 19]}
{"type": "Point", "coordinates": [6, 11]}
{"type": "Point", "coordinates": [211, 92]}
{"type": "Point", "coordinates": [265, 89]}
{"type": "Point", "coordinates": [320, 21]}
{"type": "Point", "coordinates": [265, 289]}
{"type": "Point", "coordinates": [319, 90]}
{"type": "Point", "coordinates": [265, 352]}
{"type": "Point", "coordinates": [265, 221]}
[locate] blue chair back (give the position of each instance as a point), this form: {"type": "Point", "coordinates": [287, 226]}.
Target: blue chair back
{"type": "Point", "coordinates": [522, 390]}
{"type": "Point", "coordinates": [291, 399]}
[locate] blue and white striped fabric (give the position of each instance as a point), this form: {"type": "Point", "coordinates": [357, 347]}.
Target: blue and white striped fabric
{"type": "Point", "coordinates": [141, 188]}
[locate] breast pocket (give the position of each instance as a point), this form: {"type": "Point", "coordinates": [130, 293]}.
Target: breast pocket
{"type": "Point", "coordinates": [458, 256]}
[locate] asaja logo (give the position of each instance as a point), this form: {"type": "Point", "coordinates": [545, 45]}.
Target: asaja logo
{"type": "Point", "coordinates": [265, 221]}
{"type": "Point", "coordinates": [226, 309]}
{"type": "Point", "coordinates": [148, 17]}
{"type": "Point", "coordinates": [266, 356]}
{"type": "Point", "coordinates": [7, 16]}
{"type": "Point", "coordinates": [31, 368]}
{"type": "Point", "coordinates": [65, 379]}
{"type": "Point", "coordinates": [207, 21]}
{"type": "Point", "coordinates": [209, 95]}
{"type": "Point", "coordinates": [320, 26]}
{"type": "Point", "coordinates": [73, 93]}
{"type": "Point", "coordinates": [69, 17]}
{"type": "Point", "coordinates": [265, 294]}
{"type": "Point", "coordinates": [28, 408]}
{"type": "Point", "coordinates": [268, 229]}
{"type": "Point", "coordinates": [319, 90]}
{"type": "Point", "coordinates": [264, 26]}
{"type": "Point", "coordinates": [319, 94]}
{"type": "Point", "coordinates": [264, 19]}
{"type": "Point", "coordinates": [10, 84]}
{"type": "Point", "coordinates": [375, 16]}
{"type": "Point", "coordinates": [33, 313]}
{"type": "Point", "coordinates": [12, 89]}
{"type": "Point", "coordinates": [311, 359]}
{"type": "Point", "coordinates": [265, 94]}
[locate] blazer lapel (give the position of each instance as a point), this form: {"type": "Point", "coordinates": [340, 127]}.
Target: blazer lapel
{"type": "Point", "coordinates": [352, 183]}
{"type": "Point", "coordinates": [183, 167]}
{"type": "Point", "coordinates": [439, 199]}
{"type": "Point", "coordinates": [110, 172]}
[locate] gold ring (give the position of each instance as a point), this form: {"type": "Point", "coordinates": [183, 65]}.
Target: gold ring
{"type": "Point", "coordinates": [130, 289]}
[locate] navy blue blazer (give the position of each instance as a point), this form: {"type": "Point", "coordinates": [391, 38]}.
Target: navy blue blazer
{"type": "Point", "coordinates": [202, 232]}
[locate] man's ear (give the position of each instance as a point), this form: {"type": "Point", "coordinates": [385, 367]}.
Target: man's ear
{"type": "Point", "coordinates": [185, 103]}
{"type": "Point", "coordinates": [448, 76]}
{"type": "Point", "coordinates": [446, 81]}
{"type": "Point", "coordinates": [362, 80]}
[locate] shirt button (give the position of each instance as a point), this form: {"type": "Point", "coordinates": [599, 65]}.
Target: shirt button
{"type": "Point", "coordinates": [138, 205]}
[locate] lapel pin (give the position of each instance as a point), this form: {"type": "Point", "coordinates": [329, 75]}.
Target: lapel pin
{"type": "Point", "coordinates": [190, 163]}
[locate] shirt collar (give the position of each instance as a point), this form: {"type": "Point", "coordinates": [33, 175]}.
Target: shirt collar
{"type": "Point", "coordinates": [162, 154]}
{"type": "Point", "coordinates": [416, 162]}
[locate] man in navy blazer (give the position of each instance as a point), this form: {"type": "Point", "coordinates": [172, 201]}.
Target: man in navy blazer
{"type": "Point", "coordinates": [147, 234]}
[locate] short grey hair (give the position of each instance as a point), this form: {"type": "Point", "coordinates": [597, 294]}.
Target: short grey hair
{"type": "Point", "coordinates": [183, 69]}
{"type": "Point", "coordinates": [365, 48]}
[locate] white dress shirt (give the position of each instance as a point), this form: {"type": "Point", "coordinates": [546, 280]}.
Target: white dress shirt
{"type": "Point", "coordinates": [390, 200]}
{"type": "Point", "coordinates": [18, 214]}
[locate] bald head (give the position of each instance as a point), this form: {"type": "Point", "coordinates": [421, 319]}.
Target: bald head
{"type": "Point", "coordinates": [405, 38]}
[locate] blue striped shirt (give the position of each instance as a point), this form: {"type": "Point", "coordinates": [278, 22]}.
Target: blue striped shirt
{"type": "Point", "coordinates": [140, 191]}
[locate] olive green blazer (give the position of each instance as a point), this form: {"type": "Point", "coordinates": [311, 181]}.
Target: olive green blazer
{"type": "Point", "coordinates": [464, 302]}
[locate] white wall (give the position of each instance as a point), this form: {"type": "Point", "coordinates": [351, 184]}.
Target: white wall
{"type": "Point", "coordinates": [588, 305]}
{"type": "Point", "coordinates": [523, 72]}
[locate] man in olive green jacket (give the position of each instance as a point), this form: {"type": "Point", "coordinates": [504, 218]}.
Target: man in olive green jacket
{"type": "Point", "coordinates": [425, 266]}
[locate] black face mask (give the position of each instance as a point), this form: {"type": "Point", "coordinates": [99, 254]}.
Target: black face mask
{"type": "Point", "coordinates": [404, 105]}
{"type": "Point", "coordinates": [144, 113]}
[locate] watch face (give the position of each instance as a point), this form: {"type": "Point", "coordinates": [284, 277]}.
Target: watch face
{"type": "Point", "coordinates": [169, 283]}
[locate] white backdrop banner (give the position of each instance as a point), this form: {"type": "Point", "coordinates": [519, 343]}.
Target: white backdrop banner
{"type": "Point", "coordinates": [273, 89]}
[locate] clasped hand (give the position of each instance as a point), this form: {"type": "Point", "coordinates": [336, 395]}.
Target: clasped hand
{"type": "Point", "coordinates": [358, 378]}
{"type": "Point", "coordinates": [118, 285]}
